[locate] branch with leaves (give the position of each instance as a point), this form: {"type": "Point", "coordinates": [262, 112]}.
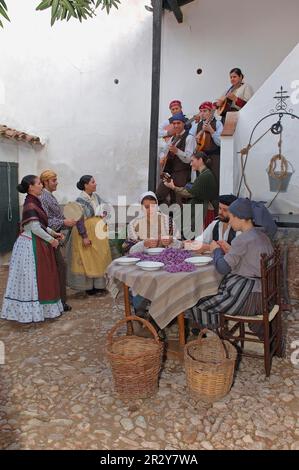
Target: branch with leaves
{"type": "Point", "coordinates": [67, 9]}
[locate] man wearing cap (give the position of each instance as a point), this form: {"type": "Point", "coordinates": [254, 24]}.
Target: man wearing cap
{"type": "Point", "coordinates": [219, 230]}
{"type": "Point", "coordinates": [177, 160]}
{"type": "Point", "coordinates": [166, 128]}
{"type": "Point", "coordinates": [57, 222]}
{"type": "Point", "coordinates": [213, 127]}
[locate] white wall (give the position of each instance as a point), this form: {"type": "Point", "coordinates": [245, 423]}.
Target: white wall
{"type": "Point", "coordinates": [259, 157]}
{"type": "Point", "coordinates": [217, 36]}
{"type": "Point", "coordinates": [59, 85]}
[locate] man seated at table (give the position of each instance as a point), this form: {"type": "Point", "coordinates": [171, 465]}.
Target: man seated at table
{"type": "Point", "coordinates": [219, 230]}
{"type": "Point", "coordinates": [150, 229]}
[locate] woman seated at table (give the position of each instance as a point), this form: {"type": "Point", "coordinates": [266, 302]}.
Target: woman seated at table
{"type": "Point", "coordinates": [150, 229]}
{"type": "Point", "coordinates": [88, 254]}
{"type": "Point", "coordinates": [202, 191]}
{"type": "Point", "coordinates": [239, 292]}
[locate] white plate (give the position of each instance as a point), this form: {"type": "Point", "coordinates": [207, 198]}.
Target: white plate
{"type": "Point", "coordinates": [199, 260]}
{"type": "Point", "coordinates": [126, 260]}
{"type": "Point", "coordinates": [154, 251]}
{"type": "Point", "coordinates": [150, 265]}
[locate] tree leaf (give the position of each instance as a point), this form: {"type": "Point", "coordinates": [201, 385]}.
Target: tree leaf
{"type": "Point", "coordinates": [3, 13]}
{"type": "Point", "coordinates": [44, 5]}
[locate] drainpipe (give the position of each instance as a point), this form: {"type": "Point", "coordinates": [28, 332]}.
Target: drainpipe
{"type": "Point", "coordinates": [155, 94]}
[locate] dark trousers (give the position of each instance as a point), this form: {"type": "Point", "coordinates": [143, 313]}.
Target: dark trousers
{"type": "Point", "coordinates": [215, 166]}
{"type": "Point", "coordinates": [168, 196]}
{"type": "Point", "coordinates": [61, 266]}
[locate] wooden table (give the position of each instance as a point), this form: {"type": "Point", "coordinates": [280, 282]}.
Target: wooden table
{"type": "Point", "coordinates": [170, 293]}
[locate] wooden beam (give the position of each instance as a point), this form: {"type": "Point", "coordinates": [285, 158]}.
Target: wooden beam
{"type": "Point", "coordinates": [155, 95]}
{"type": "Point", "coordinates": [174, 6]}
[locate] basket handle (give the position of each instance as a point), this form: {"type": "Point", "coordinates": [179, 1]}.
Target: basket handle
{"type": "Point", "coordinates": [132, 318]}
{"type": "Point", "coordinates": [210, 332]}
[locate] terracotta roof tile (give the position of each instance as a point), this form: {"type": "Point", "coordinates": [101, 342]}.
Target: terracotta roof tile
{"type": "Point", "coordinates": [13, 134]}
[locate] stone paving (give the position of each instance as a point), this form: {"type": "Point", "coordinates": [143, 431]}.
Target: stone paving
{"type": "Point", "coordinates": [56, 392]}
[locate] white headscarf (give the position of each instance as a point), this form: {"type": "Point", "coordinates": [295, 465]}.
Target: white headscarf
{"type": "Point", "coordinates": [148, 194]}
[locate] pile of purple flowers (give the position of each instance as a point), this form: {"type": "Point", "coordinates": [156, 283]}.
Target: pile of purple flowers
{"type": "Point", "coordinates": [173, 259]}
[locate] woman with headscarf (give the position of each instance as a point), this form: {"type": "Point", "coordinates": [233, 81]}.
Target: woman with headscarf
{"type": "Point", "coordinates": [32, 292]}
{"type": "Point", "coordinates": [88, 249]}
{"type": "Point", "coordinates": [151, 228]}
{"type": "Point", "coordinates": [239, 292]}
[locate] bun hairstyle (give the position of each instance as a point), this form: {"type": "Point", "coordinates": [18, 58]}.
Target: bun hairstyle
{"type": "Point", "coordinates": [25, 183]}
{"type": "Point", "coordinates": [205, 158]}
{"type": "Point", "coordinates": [237, 71]}
{"type": "Point", "coordinates": [83, 181]}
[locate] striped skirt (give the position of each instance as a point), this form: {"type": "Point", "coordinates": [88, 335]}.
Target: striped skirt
{"type": "Point", "coordinates": [234, 296]}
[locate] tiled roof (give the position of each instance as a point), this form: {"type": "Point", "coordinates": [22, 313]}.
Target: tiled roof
{"type": "Point", "coordinates": [19, 136]}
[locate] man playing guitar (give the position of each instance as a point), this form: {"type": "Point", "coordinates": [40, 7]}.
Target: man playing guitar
{"type": "Point", "coordinates": [176, 160]}
{"type": "Point", "coordinates": [207, 133]}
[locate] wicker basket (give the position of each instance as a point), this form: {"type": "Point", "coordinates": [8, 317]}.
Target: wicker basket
{"type": "Point", "coordinates": [135, 361]}
{"type": "Point", "coordinates": [210, 365]}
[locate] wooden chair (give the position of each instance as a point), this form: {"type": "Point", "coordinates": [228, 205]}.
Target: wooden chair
{"type": "Point", "coordinates": [270, 317]}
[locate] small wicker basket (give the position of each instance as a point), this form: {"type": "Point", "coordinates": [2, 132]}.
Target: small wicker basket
{"type": "Point", "coordinates": [209, 365]}
{"type": "Point", "coordinates": [135, 361]}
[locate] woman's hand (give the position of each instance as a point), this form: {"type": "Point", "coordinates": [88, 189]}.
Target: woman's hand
{"type": "Point", "coordinates": [54, 243]}
{"type": "Point", "coordinates": [169, 184]}
{"type": "Point", "coordinates": [59, 236]}
{"type": "Point", "coordinates": [214, 245]}
{"type": "Point", "coordinates": [151, 243]}
{"type": "Point", "coordinates": [69, 222]}
{"type": "Point", "coordinates": [86, 242]}
{"type": "Point", "coordinates": [224, 246]}
{"type": "Point", "coordinates": [231, 96]}
{"type": "Point", "coordinates": [166, 241]}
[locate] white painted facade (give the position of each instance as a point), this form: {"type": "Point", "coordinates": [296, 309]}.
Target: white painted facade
{"type": "Point", "coordinates": [59, 85]}
{"type": "Point", "coordinates": [286, 75]}
{"type": "Point", "coordinates": [59, 82]}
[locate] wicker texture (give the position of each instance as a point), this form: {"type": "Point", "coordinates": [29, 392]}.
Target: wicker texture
{"type": "Point", "coordinates": [135, 361]}
{"type": "Point", "coordinates": [210, 365]}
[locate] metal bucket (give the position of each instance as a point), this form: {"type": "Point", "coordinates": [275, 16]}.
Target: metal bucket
{"type": "Point", "coordinates": [279, 184]}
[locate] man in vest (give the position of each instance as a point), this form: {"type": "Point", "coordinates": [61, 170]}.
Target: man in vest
{"type": "Point", "coordinates": [219, 230]}
{"type": "Point", "coordinates": [212, 128]}
{"type": "Point", "coordinates": [176, 161]}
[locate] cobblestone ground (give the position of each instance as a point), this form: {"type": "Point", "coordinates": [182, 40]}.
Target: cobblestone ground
{"type": "Point", "coordinates": [56, 392]}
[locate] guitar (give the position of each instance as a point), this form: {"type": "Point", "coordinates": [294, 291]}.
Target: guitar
{"type": "Point", "coordinates": [204, 138]}
{"type": "Point", "coordinates": [227, 103]}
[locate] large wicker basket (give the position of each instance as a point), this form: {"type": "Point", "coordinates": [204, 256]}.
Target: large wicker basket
{"type": "Point", "coordinates": [135, 361]}
{"type": "Point", "coordinates": [210, 365]}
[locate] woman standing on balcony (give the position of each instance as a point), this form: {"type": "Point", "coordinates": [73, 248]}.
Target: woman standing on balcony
{"type": "Point", "coordinates": [88, 250]}
{"type": "Point", "coordinates": [32, 292]}
{"type": "Point", "coordinates": [236, 96]}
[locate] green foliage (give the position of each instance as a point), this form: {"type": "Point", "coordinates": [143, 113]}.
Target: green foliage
{"type": "Point", "coordinates": [3, 12]}
{"type": "Point", "coordinates": [67, 9]}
